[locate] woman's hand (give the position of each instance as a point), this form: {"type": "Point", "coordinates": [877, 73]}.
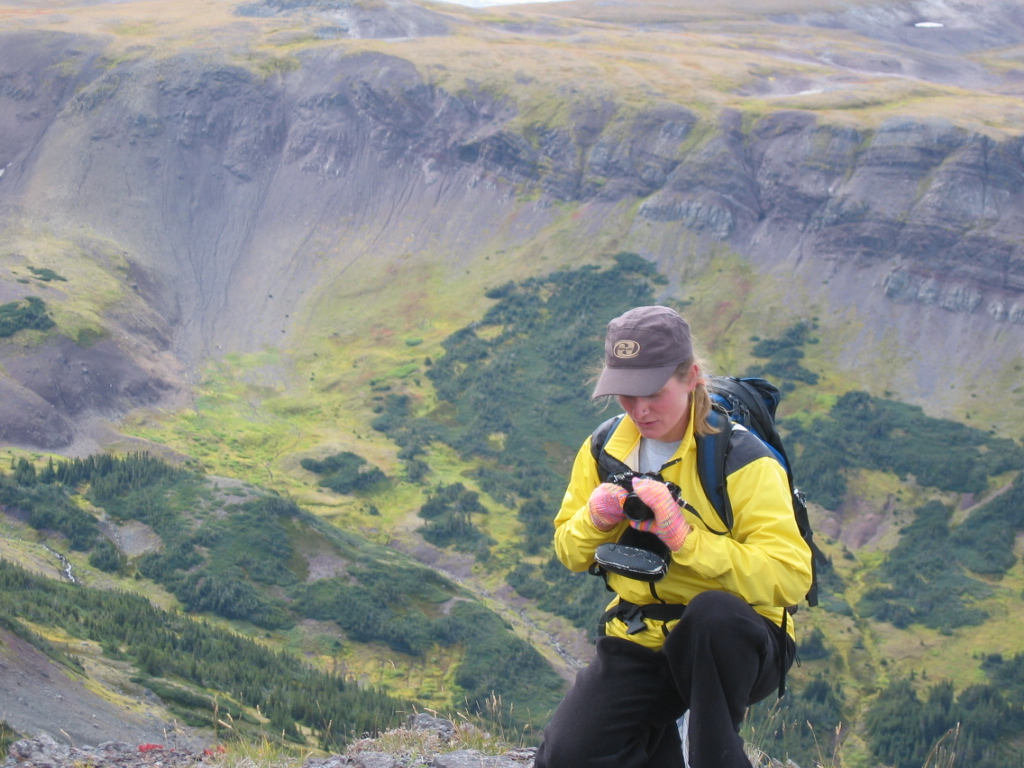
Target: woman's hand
{"type": "Point", "coordinates": [668, 523]}
{"type": "Point", "coordinates": [606, 506]}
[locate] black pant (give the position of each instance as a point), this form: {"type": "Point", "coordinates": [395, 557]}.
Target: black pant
{"type": "Point", "coordinates": [621, 712]}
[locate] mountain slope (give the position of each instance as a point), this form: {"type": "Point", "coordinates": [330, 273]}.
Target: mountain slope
{"type": "Point", "coordinates": [263, 189]}
{"type": "Point", "coordinates": [255, 228]}
{"type": "Point", "coordinates": [43, 697]}
{"type": "Point", "coordinates": [142, 531]}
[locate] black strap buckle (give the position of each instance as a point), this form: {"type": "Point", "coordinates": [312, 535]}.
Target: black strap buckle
{"type": "Point", "coordinates": [633, 619]}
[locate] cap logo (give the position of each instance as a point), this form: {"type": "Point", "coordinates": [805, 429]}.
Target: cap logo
{"type": "Point", "coordinates": [626, 349]}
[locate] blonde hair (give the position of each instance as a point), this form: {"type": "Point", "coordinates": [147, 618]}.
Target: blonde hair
{"type": "Point", "coordinates": [701, 397]}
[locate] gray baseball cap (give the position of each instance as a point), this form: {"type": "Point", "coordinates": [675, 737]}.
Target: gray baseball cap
{"type": "Point", "coordinates": [642, 349]}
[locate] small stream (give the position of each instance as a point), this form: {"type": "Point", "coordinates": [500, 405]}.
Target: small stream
{"type": "Point", "coordinates": [68, 574]}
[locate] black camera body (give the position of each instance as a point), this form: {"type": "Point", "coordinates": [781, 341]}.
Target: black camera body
{"type": "Point", "coordinates": [637, 554]}
{"type": "Point", "coordinates": [634, 506]}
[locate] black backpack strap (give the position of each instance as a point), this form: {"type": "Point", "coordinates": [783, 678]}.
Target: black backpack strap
{"type": "Point", "coordinates": [783, 643]}
{"type": "Point", "coordinates": [817, 556]}
{"type": "Point", "coordinates": [606, 463]}
{"type": "Point", "coordinates": [712, 452]}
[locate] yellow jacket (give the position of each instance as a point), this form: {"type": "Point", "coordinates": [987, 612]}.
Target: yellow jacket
{"type": "Point", "coordinates": [762, 560]}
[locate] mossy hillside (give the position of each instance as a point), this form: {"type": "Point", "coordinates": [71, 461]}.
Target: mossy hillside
{"type": "Point", "coordinates": [27, 315]}
{"type": "Point", "coordinates": [236, 555]}
{"type": "Point", "coordinates": [714, 290]}
{"type": "Point", "coordinates": [22, 544]}
{"type": "Point", "coordinates": [430, 681]}
{"type": "Point", "coordinates": [18, 544]}
{"type": "Point", "coordinates": [698, 68]}
{"type": "Point", "coordinates": [608, 56]}
{"type": "Point", "coordinates": [867, 655]}
{"type": "Point", "coordinates": [258, 415]}
{"type": "Point", "coordinates": [106, 678]}
{"type": "Point", "coordinates": [80, 280]}
{"type": "Point", "coordinates": [249, 431]}
{"type": "Point", "coordinates": [716, 293]}
{"type": "Point", "coordinates": [161, 644]}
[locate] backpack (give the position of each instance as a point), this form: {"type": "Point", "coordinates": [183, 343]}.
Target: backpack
{"type": "Point", "coordinates": [750, 402]}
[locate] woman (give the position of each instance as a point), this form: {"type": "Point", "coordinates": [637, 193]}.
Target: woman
{"type": "Point", "coordinates": [712, 635]}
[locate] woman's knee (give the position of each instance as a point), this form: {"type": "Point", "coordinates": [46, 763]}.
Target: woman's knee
{"type": "Point", "coordinates": [715, 609]}
{"type": "Point", "coordinates": [714, 622]}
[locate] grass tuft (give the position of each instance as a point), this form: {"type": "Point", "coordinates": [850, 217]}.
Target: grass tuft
{"type": "Point", "coordinates": [260, 753]}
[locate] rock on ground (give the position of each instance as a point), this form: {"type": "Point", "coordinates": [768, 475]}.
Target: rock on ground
{"type": "Point", "coordinates": [43, 751]}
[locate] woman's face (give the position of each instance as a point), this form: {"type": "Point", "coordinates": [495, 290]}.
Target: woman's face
{"type": "Point", "coordinates": [665, 415]}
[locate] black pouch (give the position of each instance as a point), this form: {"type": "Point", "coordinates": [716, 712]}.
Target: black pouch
{"type": "Point", "coordinates": [637, 555]}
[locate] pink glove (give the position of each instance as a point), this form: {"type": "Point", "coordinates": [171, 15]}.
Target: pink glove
{"type": "Point", "coordinates": [668, 523]}
{"type": "Point", "coordinates": [606, 506]}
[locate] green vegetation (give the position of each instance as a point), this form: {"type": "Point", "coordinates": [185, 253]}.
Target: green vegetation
{"type": "Point", "coordinates": [513, 399]}
{"type": "Point", "coordinates": [813, 646]}
{"type": "Point", "coordinates": [984, 544]}
{"type": "Point", "coordinates": [449, 511]}
{"type": "Point", "coordinates": [197, 709]}
{"type": "Point", "coordinates": [514, 383]}
{"type": "Point", "coordinates": [46, 274]}
{"type": "Point", "coordinates": [15, 627]}
{"type": "Point", "coordinates": [243, 561]}
{"type": "Point", "coordinates": [902, 728]}
{"type": "Point", "coordinates": [784, 355]}
{"type": "Point", "coordinates": [927, 583]}
{"type": "Point", "coordinates": [376, 608]}
{"type": "Point", "coordinates": [497, 660]}
{"type": "Point", "coordinates": [1007, 675]}
{"type": "Point", "coordinates": [172, 646]}
{"type": "Point", "coordinates": [7, 736]}
{"type": "Point", "coordinates": [862, 431]}
{"type": "Point", "coordinates": [345, 472]}
{"type": "Point", "coordinates": [47, 506]}
{"type": "Point", "coordinates": [20, 315]}
{"type": "Point", "coordinates": [801, 726]}
{"type": "Point", "coordinates": [105, 557]}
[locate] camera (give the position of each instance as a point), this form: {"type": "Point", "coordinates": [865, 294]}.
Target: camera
{"type": "Point", "coordinates": [634, 506]}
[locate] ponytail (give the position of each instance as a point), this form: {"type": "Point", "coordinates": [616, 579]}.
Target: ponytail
{"type": "Point", "coordinates": [701, 398]}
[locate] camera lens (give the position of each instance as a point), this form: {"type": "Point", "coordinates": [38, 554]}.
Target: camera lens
{"type": "Point", "coordinates": [635, 509]}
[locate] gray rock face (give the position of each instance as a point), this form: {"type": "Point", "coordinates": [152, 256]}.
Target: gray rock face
{"type": "Point", "coordinates": [44, 751]}
{"type": "Point", "coordinates": [213, 149]}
